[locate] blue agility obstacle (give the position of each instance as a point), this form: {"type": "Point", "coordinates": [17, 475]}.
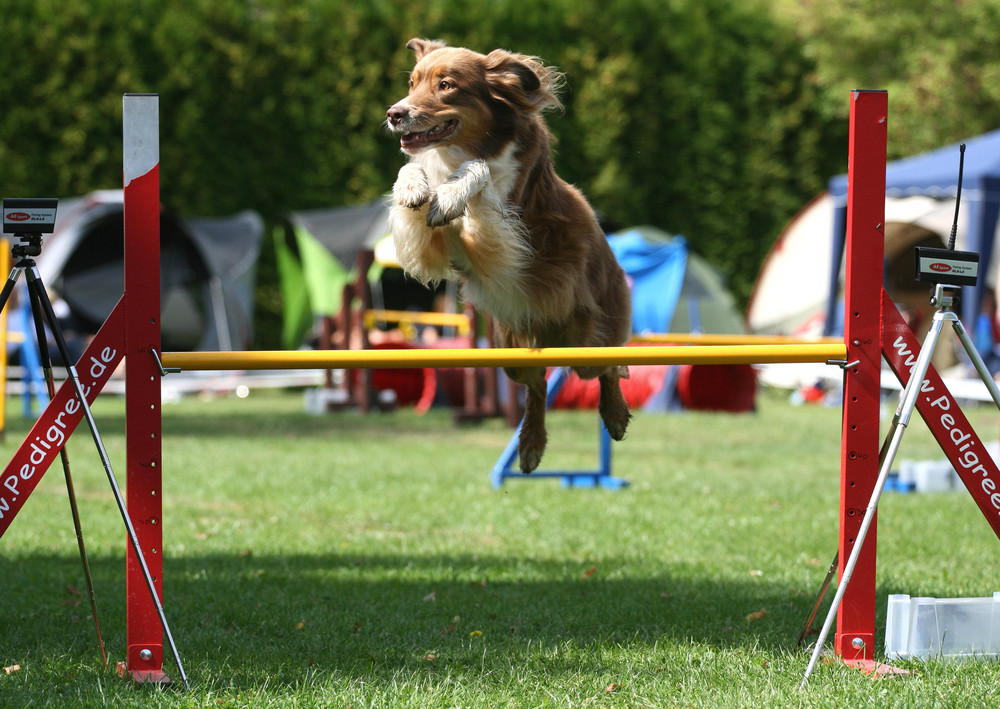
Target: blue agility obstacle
{"type": "Point", "coordinates": [601, 477]}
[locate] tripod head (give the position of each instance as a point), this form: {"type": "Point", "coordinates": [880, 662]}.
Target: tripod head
{"type": "Point", "coordinates": [30, 245]}
{"type": "Point", "coordinates": [27, 219]}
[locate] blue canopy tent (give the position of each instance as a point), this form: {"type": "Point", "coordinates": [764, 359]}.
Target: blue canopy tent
{"type": "Point", "coordinates": [673, 290]}
{"type": "Point", "coordinates": [935, 174]}
{"type": "Point", "coordinates": [656, 269]}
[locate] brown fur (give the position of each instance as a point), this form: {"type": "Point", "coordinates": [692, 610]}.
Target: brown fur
{"type": "Point", "coordinates": [480, 199]}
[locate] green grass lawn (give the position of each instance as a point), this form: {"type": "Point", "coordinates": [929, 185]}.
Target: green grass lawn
{"type": "Point", "coordinates": [349, 561]}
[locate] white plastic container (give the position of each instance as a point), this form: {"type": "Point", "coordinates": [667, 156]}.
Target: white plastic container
{"type": "Point", "coordinates": [320, 400]}
{"type": "Point", "coordinates": [924, 628]}
{"type": "Point", "coordinates": [929, 475]}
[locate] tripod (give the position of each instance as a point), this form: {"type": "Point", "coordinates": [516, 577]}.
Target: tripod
{"type": "Point", "coordinates": [31, 245]}
{"type": "Point", "coordinates": [944, 299]}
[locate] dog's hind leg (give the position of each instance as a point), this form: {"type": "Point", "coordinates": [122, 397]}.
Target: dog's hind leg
{"type": "Point", "coordinates": [612, 407]}
{"type": "Point", "coordinates": [532, 440]}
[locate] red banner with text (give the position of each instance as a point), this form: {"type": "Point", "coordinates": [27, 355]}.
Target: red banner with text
{"type": "Point", "coordinates": [60, 418]}
{"type": "Point", "coordinates": [949, 426]}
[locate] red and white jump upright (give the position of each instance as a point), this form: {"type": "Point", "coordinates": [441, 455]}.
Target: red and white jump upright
{"type": "Point", "coordinates": [855, 634]}
{"type": "Point", "coordinates": [141, 182]}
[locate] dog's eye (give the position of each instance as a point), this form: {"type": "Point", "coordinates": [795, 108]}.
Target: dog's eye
{"type": "Point", "coordinates": [445, 85]}
{"type": "Point", "coordinates": [411, 83]}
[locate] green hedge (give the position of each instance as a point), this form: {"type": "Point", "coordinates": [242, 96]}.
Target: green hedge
{"type": "Point", "coordinates": [698, 116]}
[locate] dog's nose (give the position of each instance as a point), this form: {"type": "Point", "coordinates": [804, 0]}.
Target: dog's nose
{"type": "Point", "coordinates": [397, 113]}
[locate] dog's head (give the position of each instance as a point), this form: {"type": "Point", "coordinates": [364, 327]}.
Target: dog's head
{"type": "Point", "coordinates": [469, 100]}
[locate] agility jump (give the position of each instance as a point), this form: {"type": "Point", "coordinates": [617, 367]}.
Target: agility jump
{"type": "Point", "coordinates": [496, 357]}
{"type": "Point", "coordinates": [873, 329]}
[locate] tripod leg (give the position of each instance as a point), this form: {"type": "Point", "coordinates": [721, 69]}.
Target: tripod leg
{"type": "Point", "coordinates": [977, 360]}
{"type": "Point", "coordinates": [38, 291]}
{"type": "Point", "coordinates": [46, 361]}
{"type": "Point", "coordinates": [8, 287]}
{"type": "Point", "coordinates": [819, 598]}
{"type": "Point", "coordinates": [907, 403]}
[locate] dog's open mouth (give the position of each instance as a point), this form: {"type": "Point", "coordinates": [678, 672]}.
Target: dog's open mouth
{"type": "Point", "coordinates": [415, 141]}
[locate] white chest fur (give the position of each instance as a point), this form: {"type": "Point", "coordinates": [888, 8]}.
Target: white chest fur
{"type": "Point", "coordinates": [442, 163]}
{"type": "Point", "coordinates": [485, 240]}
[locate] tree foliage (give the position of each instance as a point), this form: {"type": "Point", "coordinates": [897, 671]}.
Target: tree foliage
{"type": "Point", "coordinates": [939, 60]}
{"type": "Point", "coordinates": [699, 116]}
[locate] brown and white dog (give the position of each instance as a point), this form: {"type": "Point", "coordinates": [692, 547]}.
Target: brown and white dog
{"type": "Point", "coordinates": [480, 200]}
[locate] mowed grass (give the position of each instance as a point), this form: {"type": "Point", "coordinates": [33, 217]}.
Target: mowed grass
{"type": "Point", "coordinates": [366, 561]}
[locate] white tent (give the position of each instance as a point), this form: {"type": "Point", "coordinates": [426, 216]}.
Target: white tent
{"type": "Point", "coordinates": [791, 294]}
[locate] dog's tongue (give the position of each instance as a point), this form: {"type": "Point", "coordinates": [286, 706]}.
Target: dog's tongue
{"type": "Point", "coordinates": [419, 140]}
{"type": "Point", "coordinates": [413, 140]}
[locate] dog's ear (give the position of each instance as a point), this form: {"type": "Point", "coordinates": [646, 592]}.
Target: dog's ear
{"type": "Point", "coordinates": [423, 47]}
{"type": "Point", "coordinates": [522, 81]}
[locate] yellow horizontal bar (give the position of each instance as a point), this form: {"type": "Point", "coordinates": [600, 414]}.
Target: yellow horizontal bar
{"type": "Point", "coordinates": [513, 357]}
{"type": "Point", "coordinates": [685, 338]}
{"type": "Point", "coordinates": [405, 316]}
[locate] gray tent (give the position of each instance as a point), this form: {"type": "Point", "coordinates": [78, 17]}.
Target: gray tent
{"type": "Point", "coordinates": [207, 274]}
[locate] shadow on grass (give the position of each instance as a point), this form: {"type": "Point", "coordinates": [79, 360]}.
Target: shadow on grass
{"type": "Point", "coordinates": [247, 618]}
{"type": "Point", "coordinates": [235, 420]}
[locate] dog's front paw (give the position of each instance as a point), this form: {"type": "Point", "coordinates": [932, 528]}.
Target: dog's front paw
{"type": "Point", "coordinates": [447, 204]}
{"type": "Point", "coordinates": [451, 199]}
{"type": "Point", "coordinates": [411, 188]}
